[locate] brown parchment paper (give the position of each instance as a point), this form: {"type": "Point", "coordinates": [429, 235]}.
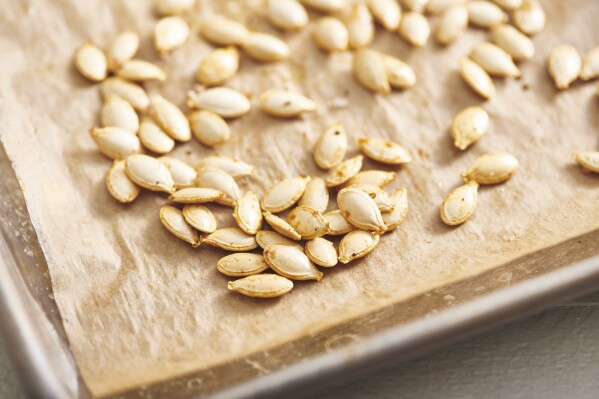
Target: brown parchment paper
{"type": "Point", "coordinates": [139, 305]}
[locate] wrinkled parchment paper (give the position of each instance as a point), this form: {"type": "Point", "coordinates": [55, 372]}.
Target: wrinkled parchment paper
{"type": "Point", "coordinates": [139, 305]}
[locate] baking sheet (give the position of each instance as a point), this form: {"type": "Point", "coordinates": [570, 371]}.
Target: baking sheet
{"type": "Point", "coordinates": [139, 306]}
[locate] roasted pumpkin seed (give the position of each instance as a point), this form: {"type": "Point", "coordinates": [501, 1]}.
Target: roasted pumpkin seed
{"type": "Point", "coordinates": [235, 167]}
{"type": "Point", "coordinates": [224, 31]}
{"type": "Point", "coordinates": [375, 177]}
{"type": "Point", "coordinates": [119, 113]}
{"type": "Point", "coordinates": [492, 168]}
{"type": "Point", "coordinates": [308, 222]}
{"type": "Point", "coordinates": [173, 220]}
{"type": "Point", "coordinates": [220, 180]}
{"type": "Point", "coordinates": [436, 7]}
{"type": "Point", "coordinates": [515, 43]}
{"type": "Point", "coordinates": [154, 138]}
{"type": "Point", "coordinates": [173, 7]}
{"type": "Point", "coordinates": [231, 239]}
{"type": "Point", "coordinates": [590, 65]}
{"type": "Point", "coordinates": [399, 74]}
{"type": "Point", "coordinates": [183, 174]}
{"type": "Point", "coordinates": [380, 196]}
{"type": "Point", "coordinates": [452, 25]}
{"type": "Point", "coordinates": [149, 173]}
{"type": "Point", "coordinates": [241, 265]}
{"type": "Point", "coordinates": [209, 128]}
{"type": "Point", "coordinates": [469, 126]}
{"type": "Point", "coordinates": [459, 204]}
{"type": "Point", "coordinates": [219, 66]}
{"type": "Point", "coordinates": [415, 5]}
{"type": "Point", "coordinates": [122, 49]}
{"type": "Point", "coordinates": [248, 214]}
{"type": "Point", "coordinates": [223, 101]}
{"type": "Point", "coordinates": [291, 262]}
{"type": "Point", "coordinates": [265, 48]}
{"type": "Point", "coordinates": [281, 226]}
{"type": "Point", "coordinates": [384, 151]}
{"type": "Point", "coordinates": [266, 238]}
{"type": "Point", "coordinates": [494, 60]}
{"type": "Point", "coordinates": [588, 160]}
{"type": "Point", "coordinates": [414, 29]}
{"type": "Point", "coordinates": [284, 194]}
{"type": "Point", "coordinates": [386, 12]}
{"type": "Point", "coordinates": [330, 149]}
{"type": "Point", "coordinates": [195, 195]}
{"type": "Point", "coordinates": [140, 70]}
{"type": "Point", "coordinates": [322, 252]}
{"type": "Point", "coordinates": [331, 35]}
{"type": "Point", "coordinates": [329, 6]}
{"type": "Point", "coordinates": [199, 217]}
{"type": "Point", "coordinates": [338, 223]}
{"type": "Point", "coordinates": [170, 118]}
{"type": "Point", "coordinates": [115, 142]}
{"type": "Point", "coordinates": [356, 244]}
{"type": "Point", "coordinates": [529, 17]}
{"type": "Point", "coordinates": [564, 65]}
{"type": "Point", "coordinates": [400, 209]}
{"type": "Point", "coordinates": [90, 61]}
{"type": "Point", "coordinates": [316, 195]}
{"type": "Point", "coordinates": [485, 14]}
{"type": "Point", "coordinates": [285, 104]}
{"type": "Point", "coordinates": [119, 185]}
{"type": "Point", "coordinates": [477, 78]}
{"type": "Point", "coordinates": [287, 14]}
{"type": "Point", "coordinates": [360, 210]}
{"type": "Point", "coordinates": [261, 286]}
{"type": "Point", "coordinates": [360, 26]}
{"type": "Point", "coordinates": [170, 33]}
{"type": "Point", "coordinates": [128, 91]}
{"type": "Point", "coordinates": [508, 4]}
{"type": "Point", "coordinates": [344, 171]}
{"type": "Point", "coordinates": [370, 70]}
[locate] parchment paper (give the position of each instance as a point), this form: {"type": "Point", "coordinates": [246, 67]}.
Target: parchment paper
{"type": "Point", "coordinates": [139, 305]}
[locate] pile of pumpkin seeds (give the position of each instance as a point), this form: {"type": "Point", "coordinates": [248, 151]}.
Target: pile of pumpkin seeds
{"type": "Point", "coordinates": [296, 244]}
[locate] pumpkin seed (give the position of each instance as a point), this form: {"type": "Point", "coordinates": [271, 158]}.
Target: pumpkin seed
{"type": "Point", "coordinates": [469, 126]}
{"type": "Point", "coordinates": [266, 238]}
{"type": "Point", "coordinates": [119, 113]}
{"type": "Point", "coordinates": [115, 142]}
{"type": "Point", "coordinates": [285, 104]}
{"type": "Point", "coordinates": [459, 204]}
{"type": "Point", "coordinates": [330, 148]}
{"type": "Point", "coordinates": [344, 171]}
{"type": "Point", "coordinates": [140, 70]}
{"type": "Point", "coordinates": [415, 5]}
{"type": "Point", "coordinates": [508, 4]}
{"type": "Point", "coordinates": [370, 70]}
{"type": "Point", "coordinates": [235, 167]}
{"type": "Point", "coordinates": [291, 262]}
{"type": "Point", "coordinates": [338, 223]}
{"type": "Point", "coordinates": [564, 65]}
{"type": "Point", "coordinates": [90, 61]}
{"type": "Point", "coordinates": [588, 160]}
{"type": "Point", "coordinates": [231, 239]}
{"type": "Point", "coordinates": [223, 101]}
{"type": "Point", "coordinates": [414, 29]}
{"type": "Point", "coordinates": [149, 173]}
{"type": "Point", "coordinates": [122, 49]}
{"type": "Point", "coordinates": [199, 217]}
{"type": "Point", "coordinates": [119, 185]}
{"type": "Point", "coordinates": [375, 177]}
{"type": "Point", "coordinates": [452, 25]}
{"type": "Point", "coordinates": [380, 196]}
{"type": "Point", "coordinates": [384, 151]}
{"type": "Point", "coordinates": [170, 33]}
{"type": "Point", "coordinates": [477, 78]}
{"type": "Point", "coordinates": [516, 44]}
{"type": "Point", "coordinates": [217, 179]}
{"type": "Point", "coordinates": [195, 195]}
{"type": "Point", "coordinates": [400, 209]}
{"type": "Point", "coordinates": [331, 35]}
{"type": "Point", "coordinates": [329, 6]}
{"type": "Point", "coordinates": [322, 252]}
{"type": "Point", "coordinates": [360, 26]}
{"type": "Point", "coordinates": [492, 168]}
{"type": "Point", "coordinates": [485, 14]}
{"type": "Point", "coordinates": [170, 118]}
{"type": "Point", "coordinates": [590, 65]}
{"type": "Point", "coordinates": [261, 286]}
{"type": "Point", "coordinates": [209, 128]}
{"type": "Point", "coordinates": [308, 222]}
{"type": "Point", "coordinates": [224, 31]}
{"type": "Point", "coordinates": [173, 220]}
{"type": "Point", "coordinates": [360, 210]}
{"type": "Point", "coordinates": [248, 214]}
{"type": "Point", "coordinates": [183, 174]}
{"type": "Point", "coordinates": [281, 226]}
{"type": "Point", "coordinates": [128, 91]}
{"type": "Point", "coordinates": [436, 7]}
{"type": "Point", "coordinates": [219, 66]}
{"type": "Point", "coordinates": [386, 12]}
{"type": "Point", "coordinates": [241, 265]}
{"type": "Point", "coordinates": [356, 244]}
{"type": "Point", "coordinates": [316, 195]}
{"type": "Point", "coordinates": [154, 138]}
{"type": "Point", "coordinates": [530, 17]}
{"type": "Point", "coordinates": [173, 7]}
{"type": "Point", "coordinates": [265, 48]}
{"type": "Point", "coordinates": [494, 60]}
{"type": "Point", "coordinates": [287, 14]}
{"type": "Point", "coordinates": [284, 194]}
{"type": "Point", "coordinates": [399, 74]}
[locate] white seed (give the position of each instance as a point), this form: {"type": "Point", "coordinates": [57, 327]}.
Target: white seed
{"type": "Point", "coordinates": [265, 48]}
{"type": "Point", "coordinates": [122, 49]}
{"type": "Point", "coordinates": [173, 220]}
{"type": "Point", "coordinates": [468, 126]}
{"type": "Point", "coordinates": [266, 238]}
{"type": "Point", "coordinates": [308, 222]}
{"type": "Point", "coordinates": [338, 224]}
{"type": "Point", "coordinates": [375, 177]}
{"type": "Point", "coordinates": [223, 101]}
{"type": "Point", "coordinates": [329, 6]}
{"type": "Point", "coordinates": [415, 5]}
{"type": "Point", "coordinates": [452, 25]}
{"type": "Point", "coordinates": [380, 196]}
{"type": "Point", "coordinates": [370, 70]}
{"type": "Point", "coordinates": [414, 29]}
{"type": "Point", "coordinates": [248, 214]}
{"type": "Point", "coordinates": [128, 91]}
{"type": "Point", "coordinates": [530, 17]}
{"type": "Point", "coordinates": [360, 210]}
{"type": "Point", "coordinates": [199, 217]}
{"type": "Point", "coordinates": [386, 12]}
{"type": "Point", "coordinates": [209, 128]}
{"type": "Point", "coordinates": [344, 171]}
{"type": "Point", "coordinates": [356, 244]}
{"type": "Point", "coordinates": [140, 70]}
{"type": "Point", "coordinates": [515, 43]}
{"type": "Point", "coordinates": [330, 148]}
{"type": "Point", "coordinates": [170, 118]}
{"type": "Point", "coordinates": [183, 174]}
{"type": "Point", "coordinates": [241, 265]}
{"type": "Point", "coordinates": [149, 173]}
{"type": "Point", "coordinates": [384, 151]}
{"type": "Point", "coordinates": [477, 78]}
{"type": "Point", "coordinates": [291, 262]}
{"type": "Point", "coordinates": [564, 65]}
{"type": "Point", "coordinates": [173, 7]}
{"type": "Point", "coordinates": [154, 138]}
{"type": "Point", "coordinates": [485, 14]}
{"type": "Point", "coordinates": [399, 74]}
{"type": "Point", "coordinates": [436, 7]}
{"type": "Point", "coordinates": [287, 14]}
{"type": "Point", "coordinates": [195, 195]}
{"type": "Point", "coordinates": [494, 60]}
{"type": "Point", "coordinates": [170, 33]}
{"type": "Point", "coordinates": [316, 195]}
{"type": "Point", "coordinates": [322, 252]}
{"type": "Point", "coordinates": [231, 239]}
{"type": "Point", "coordinates": [284, 194]}
{"type": "Point", "coordinates": [508, 4]}
{"type": "Point", "coordinates": [590, 65]}
{"type": "Point", "coordinates": [330, 34]}
{"type": "Point", "coordinates": [360, 26]}
{"type": "Point", "coordinates": [219, 66]}
{"type": "Point", "coordinates": [224, 31]}
{"type": "Point", "coordinates": [459, 204]}
{"type": "Point", "coordinates": [119, 113]}
{"type": "Point", "coordinates": [281, 226]}
{"type": "Point", "coordinates": [492, 168]}
{"type": "Point", "coordinates": [262, 286]}
{"type": "Point", "coordinates": [90, 61]}
{"type": "Point", "coordinates": [285, 104]}
{"type": "Point", "coordinates": [588, 160]}
{"type": "Point", "coordinates": [400, 210]}
{"type": "Point", "coordinates": [233, 166]}
{"type": "Point", "coordinates": [119, 185]}
{"type": "Point", "coordinates": [220, 180]}
{"type": "Point", "coordinates": [115, 142]}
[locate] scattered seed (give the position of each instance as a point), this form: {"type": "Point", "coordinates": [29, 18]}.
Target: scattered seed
{"type": "Point", "coordinates": [128, 91]}
{"type": "Point", "coordinates": [590, 65]}
{"type": "Point", "coordinates": [360, 210]}
{"type": "Point", "coordinates": [494, 60]}
{"type": "Point", "coordinates": [119, 113]}
{"type": "Point", "coordinates": [492, 168]}
{"type": "Point", "coordinates": [209, 128]}
{"type": "Point", "coordinates": [316, 195]}
{"type": "Point", "coordinates": [265, 48]}
{"type": "Point", "coordinates": [115, 142]}
{"type": "Point", "coordinates": [281, 226]}
{"type": "Point", "coordinates": [224, 31]}
{"type": "Point", "coordinates": [285, 104]}
{"type": "Point", "coordinates": [235, 167]}
{"type": "Point", "coordinates": [477, 78]}
{"type": "Point", "coordinates": [122, 49]}
{"type": "Point", "coordinates": [262, 286]}
{"type": "Point", "coordinates": [338, 223]}
{"type": "Point", "coordinates": [415, 5]}
{"type": "Point", "coordinates": [360, 26]}
{"type": "Point", "coordinates": [308, 222]}
{"type": "Point", "coordinates": [529, 17]}
{"type": "Point", "coordinates": [322, 252]}
{"type": "Point", "coordinates": [223, 101]}
{"type": "Point", "coordinates": [219, 66]}
{"type": "Point", "coordinates": [149, 173]}
{"type": "Point", "coordinates": [291, 262]}
{"type": "Point", "coordinates": [370, 70]}
{"type": "Point", "coordinates": [508, 4]}
{"type": "Point", "coordinates": [140, 70]}
{"type": "Point", "coordinates": [588, 160]}
{"type": "Point", "coordinates": [90, 61]}
{"type": "Point", "coordinates": [200, 218]}
{"type": "Point", "coordinates": [173, 220]}
{"type": "Point", "coordinates": [380, 196]}
{"type": "Point", "coordinates": [400, 210]}
{"type": "Point", "coordinates": [284, 194]}
{"type": "Point", "coordinates": [459, 204]}
{"type": "Point", "coordinates": [485, 14]}
{"type": "Point", "coordinates": [344, 171]}
{"type": "Point", "coordinates": [414, 29]}
{"type": "Point", "coordinates": [231, 239]}
{"type": "Point", "coordinates": [356, 244]}
{"type": "Point", "coordinates": [266, 238]}
{"type": "Point", "coordinates": [220, 180]}
{"type": "Point", "coordinates": [241, 265]}
{"type": "Point", "coordinates": [384, 151]}
{"type": "Point", "coordinates": [119, 185]}
{"type": "Point", "coordinates": [399, 74]}
{"type": "Point", "coordinates": [437, 7]}
{"type": "Point", "coordinates": [453, 23]}
{"type": "Point", "coordinates": [564, 65]}
{"type": "Point", "coordinates": [330, 34]}
{"type": "Point", "coordinates": [154, 138]}
{"type": "Point", "coordinates": [386, 12]}
{"type": "Point", "coordinates": [469, 126]}
{"type": "Point", "coordinates": [170, 118]}
{"type": "Point", "coordinates": [195, 195]}
{"type": "Point", "coordinates": [183, 174]}
{"type": "Point", "coordinates": [375, 177]}
{"type": "Point", "coordinates": [516, 44]}
{"type": "Point", "coordinates": [330, 148]}
{"type": "Point", "coordinates": [287, 14]}
{"type": "Point", "coordinates": [173, 7]}
{"type": "Point", "coordinates": [330, 6]}
{"type": "Point", "coordinates": [248, 214]}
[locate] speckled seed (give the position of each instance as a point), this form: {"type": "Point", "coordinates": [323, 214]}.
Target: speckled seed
{"type": "Point", "coordinates": [376, 177]}
{"type": "Point", "coordinates": [267, 238]}
{"type": "Point", "coordinates": [219, 66]}
{"type": "Point", "coordinates": [200, 218]}
{"type": "Point", "coordinates": [494, 60]}
{"type": "Point", "coordinates": [414, 29]}
{"type": "Point", "coordinates": [90, 61]}
{"type": "Point", "coordinates": [281, 226]}
{"type": "Point", "coordinates": [261, 286]}
{"type": "Point", "coordinates": [529, 17]}
{"type": "Point", "coordinates": [119, 113]}
{"type": "Point", "coordinates": [154, 138]}
{"type": "Point", "coordinates": [322, 252]}
{"type": "Point", "coordinates": [370, 70]}
{"type": "Point", "coordinates": [588, 160]}
{"type": "Point", "coordinates": [338, 223]}
{"type": "Point", "coordinates": [492, 168]}
{"type": "Point", "coordinates": [173, 7]}
{"type": "Point", "coordinates": [119, 185]}
{"type": "Point", "coordinates": [170, 118]}
{"type": "Point", "coordinates": [183, 174]}
{"type": "Point", "coordinates": [459, 204]}
{"type": "Point", "coordinates": [209, 128]}
{"type": "Point", "coordinates": [115, 142]}
{"type": "Point", "coordinates": [149, 173]}
{"type": "Point", "coordinates": [399, 74]}
{"type": "Point", "coordinates": [360, 26]}
{"type": "Point", "coordinates": [223, 101]}
{"type": "Point", "coordinates": [436, 7]}
{"type": "Point", "coordinates": [241, 265]}
{"type": "Point", "coordinates": [485, 14]}
{"type": "Point", "coordinates": [291, 262]}
{"type": "Point", "coordinates": [452, 25]}
{"type": "Point", "coordinates": [231, 239]}
{"type": "Point", "coordinates": [248, 214]}
{"type": "Point", "coordinates": [415, 5]}
{"type": "Point", "coordinates": [508, 4]}
{"type": "Point", "coordinates": [477, 78]}
{"type": "Point", "coordinates": [122, 49]}
{"type": "Point", "coordinates": [285, 104]}
{"type": "Point", "coordinates": [195, 195]}
{"type": "Point", "coordinates": [330, 6]}
{"type": "Point", "coordinates": [316, 195]}
{"type": "Point", "coordinates": [356, 244]}
{"type": "Point", "coordinates": [469, 126]}
{"type": "Point", "coordinates": [564, 65]}
{"type": "Point", "coordinates": [265, 48]}
{"type": "Point", "coordinates": [380, 196]}
{"type": "Point", "coordinates": [330, 34]}
{"type": "Point", "coordinates": [173, 220]}
{"type": "Point", "coordinates": [220, 180]}
{"type": "Point", "coordinates": [330, 148]}
{"type": "Point", "coordinates": [590, 65]}
{"type": "Point", "coordinates": [284, 194]}
{"type": "Point", "coordinates": [308, 222]}
{"type": "Point", "coordinates": [170, 33]}
{"type": "Point", "coordinates": [400, 210]}
{"type": "Point", "coordinates": [386, 12]}
{"type": "Point", "coordinates": [344, 171]}
{"type": "Point", "coordinates": [235, 167]}
{"type": "Point", "coordinates": [516, 44]}
{"type": "Point", "coordinates": [224, 31]}
{"type": "Point", "coordinates": [360, 210]}
{"type": "Point", "coordinates": [384, 151]}
{"type": "Point", "coordinates": [287, 14]}
{"type": "Point", "coordinates": [128, 91]}
{"type": "Point", "coordinates": [140, 70]}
